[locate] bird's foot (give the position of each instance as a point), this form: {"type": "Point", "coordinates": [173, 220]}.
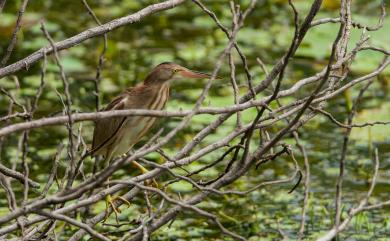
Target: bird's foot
{"type": "Point", "coordinates": [110, 203]}
{"type": "Point", "coordinates": [153, 182]}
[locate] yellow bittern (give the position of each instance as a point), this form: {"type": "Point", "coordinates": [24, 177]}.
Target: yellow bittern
{"type": "Point", "coordinates": [116, 136]}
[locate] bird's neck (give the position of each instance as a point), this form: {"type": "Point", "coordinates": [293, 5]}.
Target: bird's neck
{"type": "Point", "coordinates": [159, 85]}
{"type": "Point", "coordinates": [165, 86]}
{"type": "Point", "coordinates": [160, 96]}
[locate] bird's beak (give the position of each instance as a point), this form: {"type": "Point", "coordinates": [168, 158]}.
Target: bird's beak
{"type": "Point", "coordinates": [186, 73]}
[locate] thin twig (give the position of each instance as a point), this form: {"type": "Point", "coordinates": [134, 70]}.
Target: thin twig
{"type": "Point", "coordinates": [14, 38]}
{"type": "Point", "coordinates": [101, 57]}
{"type": "Point", "coordinates": [68, 102]}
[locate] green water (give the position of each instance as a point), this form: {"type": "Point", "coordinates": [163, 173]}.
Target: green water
{"type": "Point", "coordinates": [187, 36]}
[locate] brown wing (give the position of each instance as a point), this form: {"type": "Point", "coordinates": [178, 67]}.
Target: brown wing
{"type": "Point", "coordinates": [106, 129]}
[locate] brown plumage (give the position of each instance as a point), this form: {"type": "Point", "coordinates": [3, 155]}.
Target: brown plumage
{"type": "Point", "coordinates": [116, 136]}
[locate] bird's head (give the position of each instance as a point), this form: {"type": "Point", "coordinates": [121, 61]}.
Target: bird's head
{"type": "Point", "coordinates": [170, 71]}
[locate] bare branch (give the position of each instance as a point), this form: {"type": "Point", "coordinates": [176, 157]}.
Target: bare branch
{"type": "Point", "coordinates": [73, 222]}
{"type": "Point", "coordinates": [87, 34]}
{"type": "Point", "coordinates": [18, 176]}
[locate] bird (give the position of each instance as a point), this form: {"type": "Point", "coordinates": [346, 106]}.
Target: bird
{"type": "Point", "coordinates": [116, 136]}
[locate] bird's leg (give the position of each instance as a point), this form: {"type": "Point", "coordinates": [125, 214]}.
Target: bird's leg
{"type": "Point", "coordinates": [140, 167]}
{"type": "Point", "coordinates": [144, 170]}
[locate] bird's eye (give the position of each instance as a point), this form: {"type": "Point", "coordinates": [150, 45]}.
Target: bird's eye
{"type": "Point", "coordinates": [175, 70]}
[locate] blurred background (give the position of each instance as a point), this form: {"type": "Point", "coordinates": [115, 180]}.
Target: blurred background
{"type": "Point", "coordinates": [189, 37]}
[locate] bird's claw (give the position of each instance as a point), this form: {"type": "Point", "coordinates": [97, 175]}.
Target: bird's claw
{"type": "Point", "coordinates": [110, 204]}
{"type": "Point", "coordinates": [123, 200]}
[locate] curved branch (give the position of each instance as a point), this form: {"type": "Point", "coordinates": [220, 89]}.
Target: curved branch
{"type": "Point", "coordinates": [73, 222]}
{"type": "Point", "coordinates": [87, 34]}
